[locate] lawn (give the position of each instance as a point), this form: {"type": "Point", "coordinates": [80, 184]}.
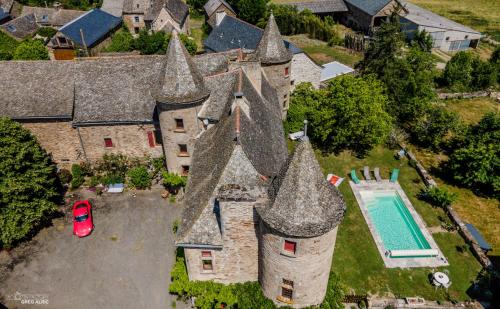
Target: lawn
{"type": "Point", "coordinates": [356, 257]}
{"type": "Point", "coordinates": [322, 53]}
{"type": "Point", "coordinates": [481, 15]}
{"type": "Point", "coordinates": [471, 110]}
{"type": "Point", "coordinates": [197, 34]}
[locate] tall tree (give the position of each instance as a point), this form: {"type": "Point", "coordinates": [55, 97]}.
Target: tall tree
{"type": "Point", "coordinates": [422, 40]}
{"type": "Point", "coordinates": [348, 114]}
{"type": "Point", "coordinates": [28, 185]}
{"type": "Point", "coordinates": [252, 10]}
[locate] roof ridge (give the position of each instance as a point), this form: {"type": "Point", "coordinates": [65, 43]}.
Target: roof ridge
{"type": "Point", "coordinates": [271, 48]}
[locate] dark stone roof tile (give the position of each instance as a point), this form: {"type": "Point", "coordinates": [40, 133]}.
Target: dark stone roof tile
{"type": "Point", "coordinates": [271, 49]}
{"type": "Point", "coordinates": [21, 27]}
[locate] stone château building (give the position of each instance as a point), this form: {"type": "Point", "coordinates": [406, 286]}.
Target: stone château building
{"type": "Point", "coordinates": [251, 212]}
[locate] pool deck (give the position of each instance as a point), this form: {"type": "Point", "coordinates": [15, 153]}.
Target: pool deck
{"type": "Point", "coordinates": [410, 262]}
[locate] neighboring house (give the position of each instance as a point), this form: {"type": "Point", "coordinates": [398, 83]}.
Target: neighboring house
{"type": "Point", "coordinates": [447, 35]}
{"type": "Point", "coordinates": [366, 15]}
{"type": "Point", "coordinates": [156, 15]}
{"type": "Point", "coordinates": [334, 8]}
{"type": "Point", "coordinates": [5, 9]}
{"type": "Point", "coordinates": [233, 33]}
{"type": "Point", "coordinates": [215, 10]}
{"type": "Point", "coordinates": [334, 69]}
{"type": "Point", "coordinates": [21, 27]}
{"type": "Point", "coordinates": [88, 33]}
{"type": "Point", "coordinates": [53, 17]}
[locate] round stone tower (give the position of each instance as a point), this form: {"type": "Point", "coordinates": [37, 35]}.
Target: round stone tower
{"type": "Point", "coordinates": [298, 230]}
{"type": "Point", "coordinates": [181, 93]}
{"type": "Point", "coordinates": [275, 60]}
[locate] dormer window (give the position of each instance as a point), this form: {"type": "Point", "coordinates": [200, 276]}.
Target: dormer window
{"type": "Point", "coordinates": [11, 28]}
{"type": "Point", "coordinates": [45, 18]}
{"type": "Point", "coordinates": [136, 19]}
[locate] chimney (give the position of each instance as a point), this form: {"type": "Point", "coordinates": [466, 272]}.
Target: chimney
{"type": "Point", "coordinates": [219, 16]}
{"type": "Point", "coordinates": [305, 130]}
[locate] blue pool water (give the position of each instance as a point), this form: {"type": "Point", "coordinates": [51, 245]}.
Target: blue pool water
{"type": "Point", "coordinates": [393, 221]}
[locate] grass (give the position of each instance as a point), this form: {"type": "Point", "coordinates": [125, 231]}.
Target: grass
{"type": "Point", "coordinates": [322, 53]}
{"type": "Point", "coordinates": [196, 23]}
{"type": "Point", "coordinates": [356, 257]}
{"type": "Point", "coordinates": [481, 15]}
{"type": "Point", "coordinates": [471, 110]}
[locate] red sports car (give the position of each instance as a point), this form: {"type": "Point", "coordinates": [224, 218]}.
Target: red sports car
{"type": "Point", "coordinates": [82, 218]}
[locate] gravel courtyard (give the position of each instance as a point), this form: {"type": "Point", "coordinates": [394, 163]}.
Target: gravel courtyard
{"type": "Point", "coordinates": [124, 263]}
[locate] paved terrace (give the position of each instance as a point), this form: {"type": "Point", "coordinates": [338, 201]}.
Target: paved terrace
{"type": "Point", "coordinates": [410, 262]}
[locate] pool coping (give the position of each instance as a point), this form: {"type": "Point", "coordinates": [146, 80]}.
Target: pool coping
{"type": "Point", "coordinates": [403, 262]}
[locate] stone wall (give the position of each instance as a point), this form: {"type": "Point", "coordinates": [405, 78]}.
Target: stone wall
{"type": "Point", "coordinates": [309, 268]}
{"type": "Point", "coordinates": [275, 74]}
{"type": "Point", "coordinates": [164, 18]}
{"type": "Point", "coordinates": [129, 20]}
{"type": "Point", "coordinates": [173, 137]}
{"type": "Point", "coordinates": [131, 140]}
{"type": "Point", "coordinates": [305, 70]}
{"type": "Point", "coordinates": [59, 139]}
{"type": "Point", "coordinates": [238, 259]}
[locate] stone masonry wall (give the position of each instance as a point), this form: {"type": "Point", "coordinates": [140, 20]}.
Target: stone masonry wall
{"type": "Point", "coordinates": [305, 70]}
{"type": "Point", "coordinates": [173, 137]}
{"type": "Point", "coordinates": [59, 139]}
{"type": "Point", "coordinates": [276, 76]}
{"type": "Point", "coordinates": [309, 268]}
{"type": "Point", "coordinates": [131, 140]}
{"type": "Point", "coordinates": [238, 259]}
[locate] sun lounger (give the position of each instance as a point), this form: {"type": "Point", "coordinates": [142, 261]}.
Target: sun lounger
{"type": "Point", "coordinates": [376, 171]}
{"type": "Point", "coordinates": [366, 173]}
{"type": "Point", "coordinates": [354, 177]}
{"type": "Point", "coordinates": [394, 175]}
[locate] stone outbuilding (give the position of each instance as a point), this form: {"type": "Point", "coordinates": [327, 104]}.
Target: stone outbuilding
{"type": "Point", "coordinates": [215, 10]}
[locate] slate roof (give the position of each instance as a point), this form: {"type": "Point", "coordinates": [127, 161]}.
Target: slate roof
{"type": "Point", "coordinates": [222, 84]}
{"type": "Point", "coordinates": [52, 16]}
{"type": "Point", "coordinates": [180, 80]}
{"type": "Point", "coordinates": [303, 203]}
{"type": "Point", "coordinates": [371, 7]}
{"type": "Point", "coordinates": [217, 165]}
{"type": "Point", "coordinates": [113, 7]}
{"type": "Point", "coordinates": [3, 14]}
{"type": "Point", "coordinates": [423, 17]}
{"type": "Point", "coordinates": [233, 33]}
{"type": "Point", "coordinates": [333, 69]}
{"type": "Point", "coordinates": [95, 24]}
{"type": "Point", "coordinates": [6, 5]}
{"type": "Point", "coordinates": [36, 89]}
{"type": "Point", "coordinates": [322, 6]}
{"type": "Point", "coordinates": [212, 5]}
{"type": "Point", "coordinates": [176, 8]}
{"type": "Point", "coordinates": [102, 90]}
{"type": "Point", "coordinates": [21, 27]}
{"type": "Point", "coordinates": [271, 49]}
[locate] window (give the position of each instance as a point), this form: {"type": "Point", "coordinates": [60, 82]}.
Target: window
{"type": "Point", "coordinates": [45, 18]}
{"type": "Point", "coordinates": [288, 282]}
{"type": "Point", "coordinates": [285, 100]}
{"type": "Point", "coordinates": [136, 30]}
{"type": "Point", "coordinates": [138, 5]}
{"type": "Point", "coordinates": [290, 246]}
{"type": "Point", "coordinates": [108, 142]}
{"type": "Point", "coordinates": [466, 37]}
{"type": "Point", "coordinates": [207, 265]}
{"type": "Point", "coordinates": [206, 254]}
{"type": "Point", "coordinates": [287, 71]}
{"type": "Point", "coordinates": [292, 82]}
{"type": "Point", "coordinates": [136, 19]}
{"type": "Point", "coordinates": [185, 170]}
{"type": "Point", "coordinates": [183, 150]}
{"type": "Point", "coordinates": [11, 28]}
{"type": "Point", "coordinates": [179, 124]}
{"type": "Point", "coordinates": [62, 40]}
{"type": "Point", "coordinates": [158, 137]}
{"type": "Point", "coordinates": [447, 38]}
{"type": "Point", "coordinates": [286, 293]}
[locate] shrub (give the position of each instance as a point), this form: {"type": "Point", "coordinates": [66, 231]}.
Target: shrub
{"type": "Point", "coordinates": [466, 71]}
{"type": "Point", "coordinates": [139, 177]}
{"type": "Point", "coordinates": [46, 32]}
{"type": "Point", "coordinates": [122, 41]}
{"type": "Point", "coordinates": [113, 164]}
{"type": "Point", "coordinates": [175, 226]}
{"type": "Point", "coordinates": [31, 50]}
{"type": "Point", "coordinates": [64, 176]}
{"type": "Point", "coordinates": [431, 129]}
{"type": "Point", "coordinates": [438, 197]}
{"type": "Point", "coordinates": [78, 177]}
{"type": "Point", "coordinates": [113, 178]}
{"type": "Point", "coordinates": [172, 181]}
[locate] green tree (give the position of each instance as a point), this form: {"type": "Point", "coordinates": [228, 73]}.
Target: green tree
{"type": "Point", "coordinates": [150, 43]}
{"type": "Point", "coordinates": [122, 41]}
{"type": "Point", "coordinates": [78, 177]}
{"type": "Point", "coordinates": [252, 10]}
{"type": "Point", "coordinates": [197, 6]}
{"type": "Point", "coordinates": [495, 61]}
{"type": "Point", "coordinates": [422, 40]}
{"type": "Point", "coordinates": [466, 71]}
{"type": "Point", "coordinates": [475, 160]}
{"type": "Point", "coordinates": [173, 181]}
{"type": "Point", "coordinates": [28, 183]}
{"type": "Point", "coordinates": [433, 127]}
{"type": "Point", "coordinates": [31, 50]}
{"type": "Point", "coordinates": [438, 197]}
{"type": "Point", "coordinates": [483, 74]}
{"type": "Point", "coordinates": [46, 32]}
{"type": "Point", "coordinates": [139, 177]}
{"type": "Point", "coordinates": [348, 114]}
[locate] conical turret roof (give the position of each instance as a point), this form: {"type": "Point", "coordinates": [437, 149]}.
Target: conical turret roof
{"type": "Point", "coordinates": [271, 49]}
{"type": "Point", "coordinates": [303, 203]}
{"type": "Point", "coordinates": [180, 81]}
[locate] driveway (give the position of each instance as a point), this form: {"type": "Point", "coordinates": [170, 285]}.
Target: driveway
{"type": "Point", "coordinates": [124, 263]}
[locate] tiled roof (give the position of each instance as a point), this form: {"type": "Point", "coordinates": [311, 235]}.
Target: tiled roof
{"type": "Point", "coordinates": [6, 5]}
{"type": "Point", "coordinates": [322, 6]}
{"type": "Point", "coordinates": [212, 5]}
{"type": "Point", "coordinates": [372, 7]}
{"type": "Point", "coordinates": [3, 14]}
{"type": "Point", "coordinates": [176, 8]}
{"type": "Point", "coordinates": [233, 33]}
{"type": "Point", "coordinates": [21, 27]}
{"type": "Point", "coordinates": [271, 49]}
{"type": "Point", "coordinates": [303, 203]}
{"type": "Point", "coordinates": [52, 16]}
{"type": "Point", "coordinates": [95, 25]}
{"type": "Point", "coordinates": [180, 81]}
{"type": "Point", "coordinates": [423, 17]}
{"type": "Point", "coordinates": [136, 6]}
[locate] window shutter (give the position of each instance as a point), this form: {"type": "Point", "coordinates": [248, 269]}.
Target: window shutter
{"type": "Point", "coordinates": [290, 246]}
{"type": "Point", "coordinates": [151, 139]}
{"type": "Point", "coordinates": [108, 142]}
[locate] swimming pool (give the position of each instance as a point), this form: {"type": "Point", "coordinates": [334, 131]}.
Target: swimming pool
{"type": "Point", "coordinates": [393, 221]}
